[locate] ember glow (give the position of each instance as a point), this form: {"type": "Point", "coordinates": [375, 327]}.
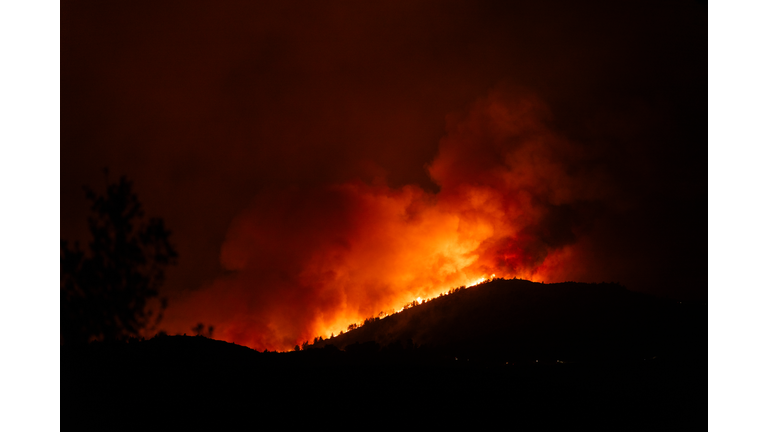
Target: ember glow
{"type": "Point", "coordinates": [481, 280]}
{"type": "Point", "coordinates": [309, 262]}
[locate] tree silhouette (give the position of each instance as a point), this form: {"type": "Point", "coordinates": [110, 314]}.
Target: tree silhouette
{"type": "Point", "coordinates": [198, 329]}
{"type": "Point", "coordinates": [105, 293]}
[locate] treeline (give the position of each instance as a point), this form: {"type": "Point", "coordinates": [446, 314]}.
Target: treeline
{"type": "Point", "coordinates": [519, 321]}
{"type": "Point", "coordinates": [382, 315]}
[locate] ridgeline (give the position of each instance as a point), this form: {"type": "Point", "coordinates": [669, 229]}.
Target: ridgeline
{"type": "Point", "coordinates": [518, 321]}
{"type": "Point", "coordinates": [508, 351]}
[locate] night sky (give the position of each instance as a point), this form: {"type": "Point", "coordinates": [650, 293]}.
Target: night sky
{"type": "Point", "coordinates": [319, 162]}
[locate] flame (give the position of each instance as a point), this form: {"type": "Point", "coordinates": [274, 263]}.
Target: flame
{"type": "Point", "coordinates": [307, 262]}
{"type": "Point", "coordinates": [419, 300]}
{"type": "Point", "coordinates": [481, 280]}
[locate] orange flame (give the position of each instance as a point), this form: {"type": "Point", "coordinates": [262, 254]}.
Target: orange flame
{"type": "Point", "coordinates": [309, 262]}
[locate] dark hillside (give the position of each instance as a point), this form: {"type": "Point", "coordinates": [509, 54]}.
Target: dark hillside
{"type": "Point", "coordinates": [469, 357]}
{"type": "Point", "coordinates": [522, 321]}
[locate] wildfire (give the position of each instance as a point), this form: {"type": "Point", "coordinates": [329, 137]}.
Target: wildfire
{"type": "Point", "coordinates": [481, 280]}
{"type": "Point", "coordinates": [308, 261]}
{"type": "Point", "coordinates": [419, 300]}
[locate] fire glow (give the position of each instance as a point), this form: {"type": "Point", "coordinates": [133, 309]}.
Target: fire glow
{"type": "Point", "coordinates": [418, 300]}
{"type": "Point", "coordinates": [307, 262]}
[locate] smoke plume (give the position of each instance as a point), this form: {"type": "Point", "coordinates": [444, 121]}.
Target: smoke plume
{"type": "Point", "coordinates": [513, 197]}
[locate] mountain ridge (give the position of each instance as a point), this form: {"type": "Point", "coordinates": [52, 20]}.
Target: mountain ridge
{"type": "Point", "coordinates": [519, 320]}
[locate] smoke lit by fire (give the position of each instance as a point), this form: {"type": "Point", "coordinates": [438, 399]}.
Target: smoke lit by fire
{"type": "Point", "coordinates": [303, 263]}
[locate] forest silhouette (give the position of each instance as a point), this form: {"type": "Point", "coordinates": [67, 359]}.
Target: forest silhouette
{"type": "Point", "coordinates": [517, 321]}
{"type": "Point", "coordinates": [106, 291]}
{"type": "Point", "coordinates": [551, 354]}
{"type": "Point", "coordinates": [562, 353]}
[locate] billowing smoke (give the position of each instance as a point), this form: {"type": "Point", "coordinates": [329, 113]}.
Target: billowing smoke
{"type": "Point", "coordinates": [514, 200]}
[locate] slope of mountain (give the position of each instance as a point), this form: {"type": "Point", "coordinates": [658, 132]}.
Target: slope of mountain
{"type": "Point", "coordinates": [607, 358]}
{"type": "Point", "coordinates": [522, 321]}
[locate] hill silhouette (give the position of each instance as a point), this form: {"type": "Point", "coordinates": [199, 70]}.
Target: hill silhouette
{"type": "Point", "coordinates": [503, 321]}
{"type": "Point", "coordinates": [608, 358]}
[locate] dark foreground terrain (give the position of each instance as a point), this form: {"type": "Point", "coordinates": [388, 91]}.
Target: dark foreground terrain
{"type": "Point", "coordinates": [567, 355]}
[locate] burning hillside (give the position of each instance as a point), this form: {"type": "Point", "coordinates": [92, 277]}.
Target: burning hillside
{"type": "Point", "coordinates": [523, 321]}
{"type": "Point", "coordinates": [515, 200]}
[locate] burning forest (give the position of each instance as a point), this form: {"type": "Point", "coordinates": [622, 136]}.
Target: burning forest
{"type": "Point", "coordinates": [332, 196]}
{"type": "Point", "coordinates": [515, 200]}
{"type": "Point", "coordinates": [316, 166]}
